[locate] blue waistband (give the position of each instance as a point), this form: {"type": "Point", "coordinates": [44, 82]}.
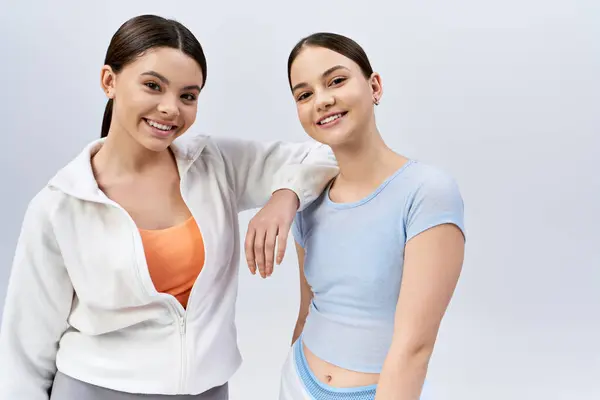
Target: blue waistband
{"type": "Point", "coordinates": [321, 391]}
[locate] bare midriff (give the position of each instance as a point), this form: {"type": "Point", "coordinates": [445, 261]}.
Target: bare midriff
{"type": "Point", "coordinates": [335, 376]}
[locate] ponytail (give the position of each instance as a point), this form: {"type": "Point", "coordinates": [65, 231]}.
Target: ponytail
{"type": "Point", "coordinates": [107, 118]}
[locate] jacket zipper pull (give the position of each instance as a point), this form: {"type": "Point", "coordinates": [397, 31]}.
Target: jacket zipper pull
{"type": "Point", "coordinates": [182, 326]}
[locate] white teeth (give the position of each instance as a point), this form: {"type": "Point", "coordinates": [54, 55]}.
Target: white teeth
{"type": "Point", "coordinates": [330, 119]}
{"type": "Point", "coordinates": [159, 126]}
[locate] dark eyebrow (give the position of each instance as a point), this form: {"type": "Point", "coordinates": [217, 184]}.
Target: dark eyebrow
{"type": "Point", "coordinates": [157, 75]}
{"type": "Point", "coordinates": [324, 74]}
{"type": "Point", "coordinates": [166, 81]}
{"type": "Point", "coordinates": [192, 87]}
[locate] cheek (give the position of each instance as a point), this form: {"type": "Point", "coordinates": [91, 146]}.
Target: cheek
{"type": "Point", "coordinates": [138, 101]}
{"type": "Point", "coordinates": [189, 113]}
{"type": "Point", "coordinates": [361, 107]}
{"type": "Point", "coordinates": [304, 115]}
{"type": "Point", "coordinates": [354, 97]}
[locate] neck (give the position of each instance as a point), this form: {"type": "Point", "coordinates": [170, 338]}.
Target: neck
{"type": "Point", "coordinates": [121, 155]}
{"type": "Point", "coordinates": [366, 161]}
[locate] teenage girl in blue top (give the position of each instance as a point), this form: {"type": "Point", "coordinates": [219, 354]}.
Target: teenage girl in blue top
{"type": "Point", "coordinates": [380, 251]}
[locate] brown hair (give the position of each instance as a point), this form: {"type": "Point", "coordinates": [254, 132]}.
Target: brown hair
{"type": "Point", "coordinates": [334, 42]}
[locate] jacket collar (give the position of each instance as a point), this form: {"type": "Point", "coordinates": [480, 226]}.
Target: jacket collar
{"type": "Point", "coordinates": [77, 177]}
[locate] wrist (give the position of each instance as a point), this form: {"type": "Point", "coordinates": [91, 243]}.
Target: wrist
{"type": "Point", "coordinates": [288, 195]}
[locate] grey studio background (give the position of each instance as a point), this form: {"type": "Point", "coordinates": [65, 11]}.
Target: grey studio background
{"type": "Point", "coordinates": [504, 95]}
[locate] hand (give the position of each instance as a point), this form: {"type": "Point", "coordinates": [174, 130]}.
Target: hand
{"type": "Point", "coordinates": [271, 224]}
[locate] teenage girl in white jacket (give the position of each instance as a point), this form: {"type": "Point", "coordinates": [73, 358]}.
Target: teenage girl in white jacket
{"type": "Point", "coordinates": [125, 275]}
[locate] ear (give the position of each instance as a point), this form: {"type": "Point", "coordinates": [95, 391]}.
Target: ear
{"type": "Point", "coordinates": [107, 81]}
{"type": "Point", "coordinates": [376, 87]}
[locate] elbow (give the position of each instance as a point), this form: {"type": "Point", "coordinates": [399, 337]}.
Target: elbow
{"type": "Point", "coordinates": [413, 353]}
{"type": "Point", "coordinates": [421, 351]}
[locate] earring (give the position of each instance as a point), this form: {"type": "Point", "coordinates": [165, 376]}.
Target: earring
{"type": "Point", "coordinates": [376, 101]}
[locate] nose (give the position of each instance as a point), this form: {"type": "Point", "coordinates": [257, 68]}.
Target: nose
{"type": "Point", "coordinates": [169, 106]}
{"type": "Point", "coordinates": [324, 100]}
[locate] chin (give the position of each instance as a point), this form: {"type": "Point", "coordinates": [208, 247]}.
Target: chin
{"type": "Point", "coordinates": [155, 144]}
{"type": "Point", "coordinates": [159, 148]}
{"type": "Point", "coordinates": [333, 138]}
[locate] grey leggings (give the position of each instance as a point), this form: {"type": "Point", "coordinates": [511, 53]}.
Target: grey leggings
{"type": "Point", "coordinates": [67, 388]}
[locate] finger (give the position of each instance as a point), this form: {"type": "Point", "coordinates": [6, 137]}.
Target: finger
{"type": "Point", "coordinates": [249, 249]}
{"type": "Point", "coordinates": [282, 243]}
{"type": "Point", "coordinates": [270, 239]}
{"type": "Point", "coordinates": [259, 250]}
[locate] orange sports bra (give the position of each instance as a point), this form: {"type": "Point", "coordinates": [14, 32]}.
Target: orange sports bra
{"type": "Point", "coordinates": [175, 258]}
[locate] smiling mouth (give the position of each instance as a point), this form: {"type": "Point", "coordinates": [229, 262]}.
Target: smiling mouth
{"type": "Point", "coordinates": [331, 118]}
{"type": "Point", "coordinates": [161, 127]}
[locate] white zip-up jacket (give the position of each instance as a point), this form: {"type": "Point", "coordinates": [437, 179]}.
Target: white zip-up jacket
{"type": "Point", "coordinates": [80, 297]}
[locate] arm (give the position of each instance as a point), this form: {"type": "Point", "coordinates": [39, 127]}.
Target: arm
{"type": "Point", "coordinates": [259, 169]}
{"type": "Point", "coordinates": [306, 296]}
{"type": "Point", "coordinates": [433, 261]}
{"type": "Point", "coordinates": [37, 305]}
{"type": "Point", "coordinates": [432, 266]}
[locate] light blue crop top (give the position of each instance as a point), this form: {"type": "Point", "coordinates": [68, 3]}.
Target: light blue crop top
{"type": "Point", "coordinates": [354, 259]}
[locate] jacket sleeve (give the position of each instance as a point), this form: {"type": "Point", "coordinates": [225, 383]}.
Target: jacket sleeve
{"type": "Point", "coordinates": [37, 305]}
{"type": "Point", "coordinates": [258, 169]}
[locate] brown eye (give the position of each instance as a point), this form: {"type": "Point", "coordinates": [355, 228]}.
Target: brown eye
{"type": "Point", "coordinates": [152, 85]}
{"type": "Point", "coordinates": [189, 97]}
{"type": "Point", "coordinates": [337, 81]}
{"type": "Point", "coordinates": [303, 96]}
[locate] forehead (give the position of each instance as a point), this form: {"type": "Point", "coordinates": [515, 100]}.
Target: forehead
{"type": "Point", "coordinates": [313, 61]}
{"type": "Point", "coordinates": [174, 64]}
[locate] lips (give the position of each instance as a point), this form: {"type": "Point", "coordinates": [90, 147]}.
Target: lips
{"type": "Point", "coordinates": [162, 126]}
{"type": "Point", "coordinates": [331, 117]}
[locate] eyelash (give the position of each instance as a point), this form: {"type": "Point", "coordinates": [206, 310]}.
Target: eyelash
{"type": "Point", "coordinates": [151, 84]}
{"type": "Point", "coordinates": [339, 78]}
{"type": "Point", "coordinates": [154, 86]}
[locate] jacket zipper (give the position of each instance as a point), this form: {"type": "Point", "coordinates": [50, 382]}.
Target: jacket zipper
{"type": "Point", "coordinates": [183, 321]}
{"type": "Point", "coordinates": [183, 369]}
{"type": "Point", "coordinates": [179, 313]}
